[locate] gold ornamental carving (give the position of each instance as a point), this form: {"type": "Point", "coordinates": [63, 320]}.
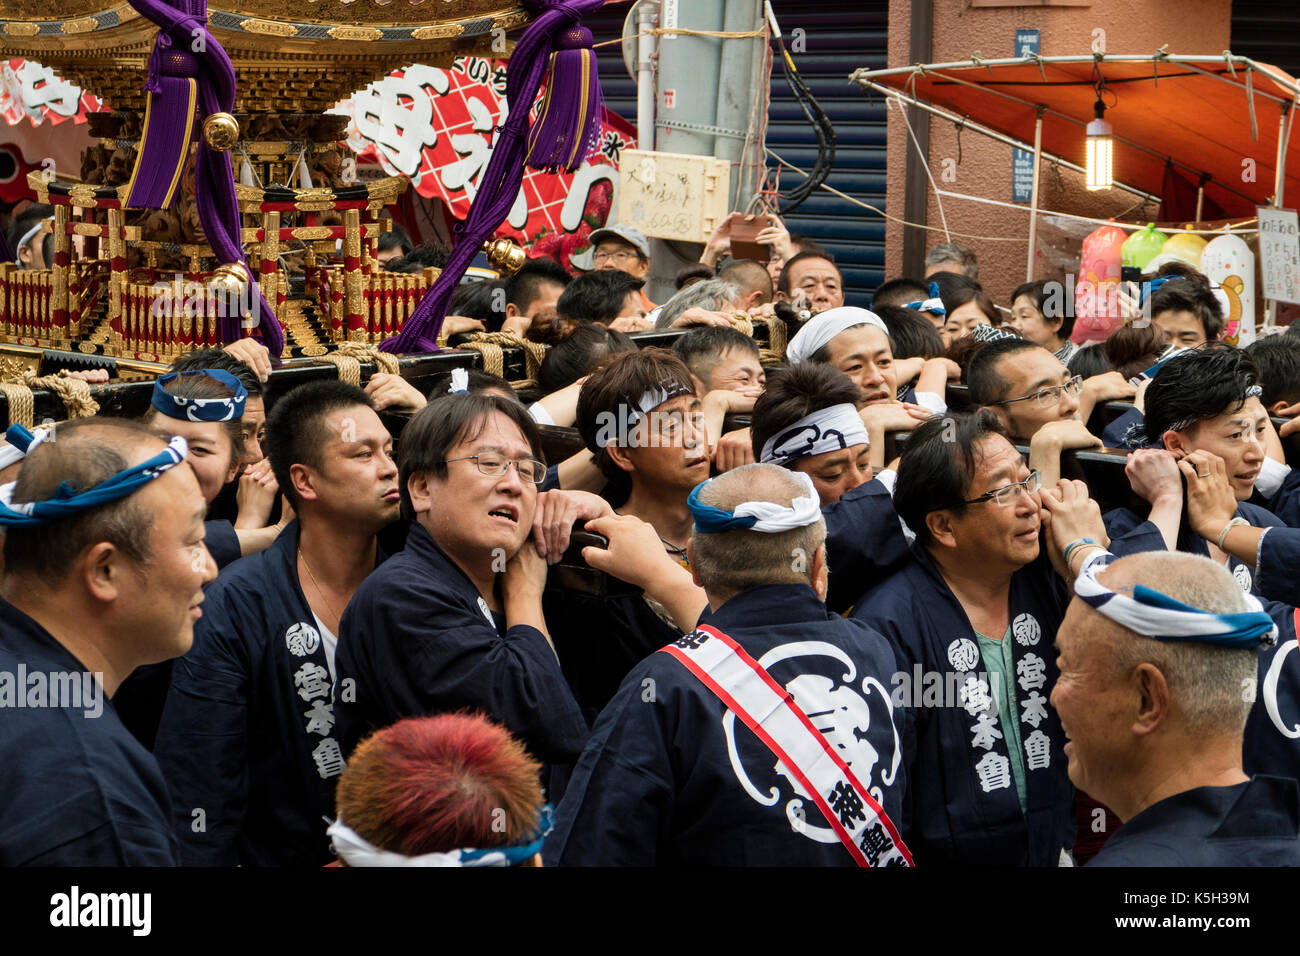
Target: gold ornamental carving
{"type": "Point", "coordinates": [268, 28]}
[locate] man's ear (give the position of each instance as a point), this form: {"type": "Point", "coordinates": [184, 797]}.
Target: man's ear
{"type": "Point", "coordinates": [941, 528]}
{"type": "Point", "coordinates": [511, 310]}
{"type": "Point", "coordinates": [1000, 413]}
{"type": "Point", "coordinates": [1176, 443]}
{"type": "Point", "coordinates": [818, 573]}
{"type": "Point", "coordinates": [1278, 407]}
{"type": "Point", "coordinates": [619, 455]}
{"type": "Point", "coordinates": [690, 559]}
{"type": "Point", "coordinates": [101, 568]}
{"type": "Point", "coordinates": [301, 477]}
{"type": "Point", "coordinates": [420, 491]}
{"type": "Point", "coordinates": [1153, 699]}
{"type": "Point", "coordinates": [779, 296]}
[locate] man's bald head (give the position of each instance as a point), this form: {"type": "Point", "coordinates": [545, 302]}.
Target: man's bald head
{"type": "Point", "coordinates": [1207, 684]}
{"type": "Point", "coordinates": [750, 277]}
{"type": "Point", "coordinates": [733, 561]}
{"type": "Point", "coordinates": [82, 453]}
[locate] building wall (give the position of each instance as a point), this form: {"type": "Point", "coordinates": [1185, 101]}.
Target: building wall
{"type": "Point", "coordinates": [1132, 26]}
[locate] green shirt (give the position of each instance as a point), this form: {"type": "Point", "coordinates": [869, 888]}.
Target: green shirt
{"type": "Point", "coordinates": [1002, 673]}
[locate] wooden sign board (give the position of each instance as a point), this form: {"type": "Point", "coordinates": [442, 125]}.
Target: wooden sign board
{"type": "Point", "coordinates": [672, 195]}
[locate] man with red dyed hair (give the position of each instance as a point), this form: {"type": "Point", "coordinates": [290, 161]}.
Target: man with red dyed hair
{"type": "Point", "coordinates": [450, 790]}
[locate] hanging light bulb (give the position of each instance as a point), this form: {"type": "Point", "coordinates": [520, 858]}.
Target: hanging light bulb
{"type": "Point", "coordinates": [1100, 147]}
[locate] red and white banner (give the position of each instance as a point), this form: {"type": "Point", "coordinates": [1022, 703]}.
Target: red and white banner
{"type": "Point", "coordinates": [30, 90]}
{"type": "Point", "coordinates": [436, 126]}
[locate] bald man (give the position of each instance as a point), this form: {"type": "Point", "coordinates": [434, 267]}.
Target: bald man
{"type": "Point", "coordinates": [1155, 717]}
{"type": "Point", "coordinates": [673, 774]}
{"type": "Point", "coordinates": [97, 582]}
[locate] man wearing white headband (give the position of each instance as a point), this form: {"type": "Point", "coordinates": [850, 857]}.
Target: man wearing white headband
{"type": "Point", "coordinates": [701, 722]}
{"type": "Point", "coordinates": [1155, 652]}
{"type": "Point", "coordinates": [26, 238]}
{"type": "Point", "coordinates": [857, 343]}
{"type": "Point", "coordinates": [105, 566]}
{"type": "Point", "coordinates": [806, 421]}
{"type": "Point", "coordinates": [642, 421]}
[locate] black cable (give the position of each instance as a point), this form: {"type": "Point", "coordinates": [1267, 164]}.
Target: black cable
{"type": "Point", "coordinates": [822, 129]}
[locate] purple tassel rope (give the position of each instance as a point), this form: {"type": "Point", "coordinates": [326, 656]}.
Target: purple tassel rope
{"type": "Point", "coordinates": [500, 182]}
{"type": "Point", "coordinates": [214, 181]}
{"type": "Point", "coordinates": [558, 140]}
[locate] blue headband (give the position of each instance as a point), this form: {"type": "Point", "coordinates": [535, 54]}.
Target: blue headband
{"type": "Point", "coordinates": [934, 304]}
{"type": "Point", "coordinates": [1148, 289]}
{"type": "Point", "coordinates": [356, 851]}
{"type": "Point", "coordinates": [67, 501]}
{"type": "Point", "coordinates": [1158, 616]}
{"type": "Point", "coordinates": [765, 516]}
{"type": "Point", "coordinates": [201, 409]}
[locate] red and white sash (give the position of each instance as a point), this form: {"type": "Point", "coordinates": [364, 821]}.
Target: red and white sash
{"type": "Point", "coordinates": [742, 684]}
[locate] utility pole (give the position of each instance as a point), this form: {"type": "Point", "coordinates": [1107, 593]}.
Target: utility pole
{"type": "Point", "coordinates": [708, 88]}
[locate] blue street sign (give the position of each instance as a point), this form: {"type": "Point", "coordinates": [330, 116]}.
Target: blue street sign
{"type": "Point", "coordinates": [1022, 160]}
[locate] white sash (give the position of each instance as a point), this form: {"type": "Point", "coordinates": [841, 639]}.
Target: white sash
{"type": "Point", "coordinates": [748, 690]}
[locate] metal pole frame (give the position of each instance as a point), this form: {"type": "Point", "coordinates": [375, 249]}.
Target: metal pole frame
{"type": "Point", "coordinates": [1033, 196]}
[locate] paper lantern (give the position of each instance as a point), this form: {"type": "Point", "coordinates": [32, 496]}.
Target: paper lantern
{"type": "Point", "coordinates": [1095, 307]}
{"type": "Point", "coordinates": [1142, 246]}
{"type": "Point", "coordinates": [1185, 247]}
{"type": "Point", "coordinates": [1229, 264]}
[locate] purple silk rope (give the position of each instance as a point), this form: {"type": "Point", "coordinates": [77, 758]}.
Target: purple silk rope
{"type": "Point", "coordinates": [180, 28]}
{"type": "Point", "coordinates": [500, 182]}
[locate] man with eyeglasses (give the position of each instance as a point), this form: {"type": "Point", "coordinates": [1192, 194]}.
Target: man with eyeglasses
{"type": "Point", "coordinates": [1037, 401]}
{"type": "Point", "coordinates": [623, 248]}
{"type": "Point", "coordinates": [455, 620]}
{"type": "Point", "coordinates": [972, 619]}
{"type": "Point", "coordinates": [1203, 407]}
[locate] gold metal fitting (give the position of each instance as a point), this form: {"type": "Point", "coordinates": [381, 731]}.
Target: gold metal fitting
{"type": "Point", "coordinates": [220, 131]}
{"type": "Point", "coordinates": [233, 277]}
{"type": "Point", "coordinates": [505, 255]}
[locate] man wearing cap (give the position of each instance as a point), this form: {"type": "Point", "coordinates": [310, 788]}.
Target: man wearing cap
{"type": "Point", "coordinates": [766, 736]}
{"type": "Point", "coordinates": [1154, 653]}
{"type": "Point", "coordinates": [105, 566]}
{"type": "Point", "coordinates": [623, 248]}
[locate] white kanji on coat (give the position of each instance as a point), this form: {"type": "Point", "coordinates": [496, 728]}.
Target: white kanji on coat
{"type": "Point", "coordinates": [985, 731]}
{"type": "Point", "coordinates": [1038, 751]}
{"type": "Point", "coordinates": [1032, 672]}
{"type": "Point", "coordinates": [329, 758]}
{"type": "Point", "coordinates": [1035, 707]}
{"type": "Point", "coordinates": [1026, 630]}
{"type": "Point", "coordinates": [312, 680]}
{"type": "Point", "coordinates": [320, 719]}
{"type": "Point", "coordinates": [963, 655]}
{"type": "Point", "coordinates": [994, 772]}
{"type": "Point", "coordinates": [1241, 574]}
{"type": "Point", "coordinates": [302, 639]}
{"type": "Point", "coordinates": [974, 695]}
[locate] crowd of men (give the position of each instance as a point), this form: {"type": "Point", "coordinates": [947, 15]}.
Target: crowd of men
{"type": "Point", "coordinates": [240, 635]}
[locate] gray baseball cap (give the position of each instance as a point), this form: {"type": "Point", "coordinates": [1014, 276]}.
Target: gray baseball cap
{"type": "Point", "coordinates": [633, 237]}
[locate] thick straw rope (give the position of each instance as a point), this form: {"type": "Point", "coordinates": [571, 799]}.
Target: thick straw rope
{"type": "Point", "coordinates": [348, 356]}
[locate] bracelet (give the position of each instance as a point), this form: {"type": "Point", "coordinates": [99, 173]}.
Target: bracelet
{"type": "Point", "coordinates": [1083, 547]}
{"type": "Point", "coordinates": [1070, 548]}
{"type": "Point", "coordinates": [1231, 524]}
